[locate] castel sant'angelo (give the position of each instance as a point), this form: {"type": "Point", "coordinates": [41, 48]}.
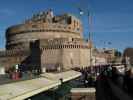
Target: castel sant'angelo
{"type": "Point", "coordinates": [46, 41]}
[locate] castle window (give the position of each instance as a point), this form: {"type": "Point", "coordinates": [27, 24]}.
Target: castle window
{"type": "Point", "coordinates": [34, 26]}
{"type": "Point", "coordinates": [69, 20]}
{"type": "Point", "coordinates": [71, 46]}
{"type": "Point", "coordinates": [77, 29]}
{"type": "Point", "coordinates": [44, 20]}
{"type": "Point", "coordinates": [69, 27]}
{"type": "Point", "coordinates": [77, 23]}
{"type": "Point", "coordinates": [72, 39]}
{"type": "Point", "coordinates": [74, 23]}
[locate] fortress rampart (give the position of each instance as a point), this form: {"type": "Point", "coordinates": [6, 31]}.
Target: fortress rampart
{"type": "Point", "coordinates": [64, 26]}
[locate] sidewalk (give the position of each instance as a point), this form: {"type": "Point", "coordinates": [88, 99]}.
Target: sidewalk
{"type": "Point", "coordinates": [27, 88]}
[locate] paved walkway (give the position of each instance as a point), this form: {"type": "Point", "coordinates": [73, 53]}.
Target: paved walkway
{"type": "Point", "coordinates": [24, 89]}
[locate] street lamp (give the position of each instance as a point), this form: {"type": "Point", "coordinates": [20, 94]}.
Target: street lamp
{"type": "Point", "coordinates": [90, 35]}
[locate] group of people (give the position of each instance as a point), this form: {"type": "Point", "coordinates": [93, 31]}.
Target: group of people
{"type": "Point", "coordinates": [17, 72]}
{"type": "Point", "coordinates": [124, 81]}
{"type": "Point", "coordinates": [128, 80]}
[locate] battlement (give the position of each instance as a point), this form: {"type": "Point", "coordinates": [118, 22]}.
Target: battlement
{"type": "Point", "coordinates": [59, 43]}
{"type": "Point", "coordinates": [45, 22]}
{"type": "Point", "coordinates": [14, 52]}
{"type": "Point", "coordinates": [42, 16]}
{"type": "Point", "coordinates": [49, 17]}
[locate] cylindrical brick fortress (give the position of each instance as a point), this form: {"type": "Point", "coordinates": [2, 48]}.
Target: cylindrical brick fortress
{"type": "Point", "coordinates": [20, 36]}
{"type": "Point", "coordinates": [47, 42]}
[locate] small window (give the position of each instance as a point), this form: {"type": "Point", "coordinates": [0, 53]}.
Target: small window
{"type": "Point", "coordinates": [34, 26]}
{"type": "Point", "coordinates": [69, 20]}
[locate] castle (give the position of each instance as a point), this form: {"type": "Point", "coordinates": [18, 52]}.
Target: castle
{"type": "Point", "coordinates": [46, 41]}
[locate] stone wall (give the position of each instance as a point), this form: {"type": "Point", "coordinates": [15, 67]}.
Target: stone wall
{"type": "Point", "coordinates": [75, 58]}
{"type": "Point", "coordinates": [65, 56]}
{"type": "Point", "coordinates": [8, 62]}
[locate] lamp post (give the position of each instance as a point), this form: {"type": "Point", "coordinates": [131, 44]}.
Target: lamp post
{"type": "Point", "coordinates": [90, 35]}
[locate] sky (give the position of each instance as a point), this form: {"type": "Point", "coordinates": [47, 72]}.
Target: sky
{"type": "Point", "coordinates": [111, 25]}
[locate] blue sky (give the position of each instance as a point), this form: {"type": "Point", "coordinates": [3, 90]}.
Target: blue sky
{"type": "Point", "coordinates": [112, 20]}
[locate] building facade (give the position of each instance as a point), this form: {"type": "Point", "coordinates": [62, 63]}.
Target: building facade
{"type": "Point", "coordinates": [46, 41]}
